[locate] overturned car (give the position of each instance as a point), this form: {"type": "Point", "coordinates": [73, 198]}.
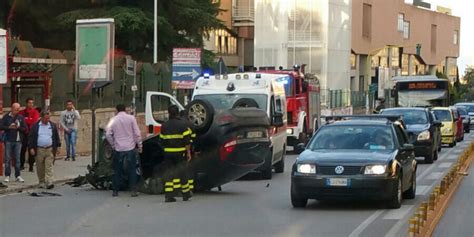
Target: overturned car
{"type": "Point", "coordinates": [229, 144]}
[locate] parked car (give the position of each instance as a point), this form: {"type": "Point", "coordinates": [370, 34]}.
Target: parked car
{"type": "Point", "coordinates": [466, 120]}
{"type": "Point", "coordinates": [367, 158]}
{"type": "Point", "coordinates": [459, 124]}
{"type": "Point", "coordinates": [423, 130]}
{"type": "Point", "coordinates": [449, 129]}
{"type": "Point", "coordinates": [470, 111]}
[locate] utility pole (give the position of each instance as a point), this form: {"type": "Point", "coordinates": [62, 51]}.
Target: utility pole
{"type": "Point", "coordinates": [155, 34]}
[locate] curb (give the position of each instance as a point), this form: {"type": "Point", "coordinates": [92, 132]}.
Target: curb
{"type": "Point", "coordinates": [32, 186]}
{"type": "Point", "coordinates": [429, 213]}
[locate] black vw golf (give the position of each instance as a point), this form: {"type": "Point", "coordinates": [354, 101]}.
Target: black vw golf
{"type": "Point", "coordinates": [366, 157]}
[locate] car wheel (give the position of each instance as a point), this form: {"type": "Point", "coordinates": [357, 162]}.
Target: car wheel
{"type": "Point", "coordinates": [453, 144]}
{"type": "Point", "coordinates": [267, 171]}
{"type": "Point", "coordinates": [396, 200]}
{"type": "Point", "coordinates": [429, 158]}
{"type": "Point", "coordinates": [467, 130]}
{"type": "Point", "coordinates": [296, 201]}
{"type": "Point", "coordinates": [280, 165]}
{"type": "Point", "coordinates": [435, 155]}
{"type": "Point", "coordinates": [411, 193]}
{"type": "Point", "coordinates": [201, 114]}
{"type": "Point", "coordinates": [440, 145]}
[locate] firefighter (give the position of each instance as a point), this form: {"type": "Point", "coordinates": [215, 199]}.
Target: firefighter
{"type": "Point", "coordinates": [176, 140]}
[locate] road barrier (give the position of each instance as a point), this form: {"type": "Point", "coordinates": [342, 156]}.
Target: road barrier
{"type": "Point", "coordinates": [429, 213]}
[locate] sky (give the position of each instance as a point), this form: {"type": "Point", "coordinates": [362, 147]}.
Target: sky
{"type": "Point", "coordinates": [465, 10]}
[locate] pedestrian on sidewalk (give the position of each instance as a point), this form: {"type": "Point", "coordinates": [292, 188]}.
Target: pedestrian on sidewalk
{"type": "Point", "coordinates": [68, 122]}
{"type": "Point", "coordinates": [44, 142]}
{"type": "Point", "coordinates": [31, 115]}
{"type": "Point", "coordinates": [14, 126]}
{"type": "Point", "coordinates": [124, 136]}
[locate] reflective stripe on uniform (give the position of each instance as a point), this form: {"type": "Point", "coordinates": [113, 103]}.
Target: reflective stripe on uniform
{"type": "Point", "coordinates": [177, 186]}
{"type": "Point", "coordinates": [169, 184]}
{"type": "Point", "coordinates": [176, 180]}
{"type": "Point", "coordinates": [187, 132]}
{"type": "Point", "coordinates": [174, 136]}
{"type": "Point", "coordinates": [173, 149]}
{"type": "Point", "coordinates": [168, 190]}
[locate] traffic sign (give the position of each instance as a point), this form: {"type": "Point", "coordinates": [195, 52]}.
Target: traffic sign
{"type": "Point", "coordinates": [186, 67]}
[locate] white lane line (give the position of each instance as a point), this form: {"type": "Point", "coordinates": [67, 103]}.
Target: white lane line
{"type": "Point", "coordinates": [445, 165]}
{"type": "Point", "coordinates": [422, 189]}
{"type": "Point", "coordinates": [435, 175]}
{"type": "Point", "coordinates": [452, 157]}
{"type": "Point", "coordinates": [398, 214]}
{"type": "Point", "coordinates": [365, 223]}
{"type": "Point", "coordinates": [393, 232]}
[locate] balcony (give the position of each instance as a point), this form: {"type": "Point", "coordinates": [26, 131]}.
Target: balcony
{"type": "Point", "coordinates": [243, 15]}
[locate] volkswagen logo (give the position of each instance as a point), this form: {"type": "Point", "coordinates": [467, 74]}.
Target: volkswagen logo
{"type": "Point", "coordinates": [339, 169]}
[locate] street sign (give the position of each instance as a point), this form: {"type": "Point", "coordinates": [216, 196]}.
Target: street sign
{"type": "Point", "coordinates": [130, 67]}
{"type": "Point", "coordinates": [3, 56]}
{"type": "Point", "coordinates": [95, 49]}
{"type": "Point", "coordinates": [186, 67]}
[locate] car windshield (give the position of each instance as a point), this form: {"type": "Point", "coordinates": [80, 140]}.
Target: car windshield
{"type": "Point", "coordinates": [462, 110]}
{"type": "Point", "coordinates": [443, 115]}
{"type": "Point", "coordinates": [226, 101]}
{"type": "Point", "coordinates": [409, 116]}
{"type": "Point", "coordinates": [353, 138]}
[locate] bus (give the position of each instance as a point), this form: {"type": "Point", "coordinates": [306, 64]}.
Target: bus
{"type": "Point", "coordinates": [421, 91]}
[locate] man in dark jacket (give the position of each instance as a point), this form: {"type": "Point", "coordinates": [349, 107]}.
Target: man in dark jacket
{"type": "Point", "coordinates": [43, 141]}
{"type": "Point", "coordinates": [13, 124]}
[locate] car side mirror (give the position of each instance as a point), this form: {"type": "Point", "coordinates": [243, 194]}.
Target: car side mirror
{"type": "Point", "coordinates": [277, 119]}
{"type": "Point", "coordinates": [408, 147]}
{"type": "Point", "coordinates": [438, 123]}
{"type": "Point", "coordinates": [300, 147]}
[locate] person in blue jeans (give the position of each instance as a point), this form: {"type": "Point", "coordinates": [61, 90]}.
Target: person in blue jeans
{"type": "Point", "coordinates": [69, 119]}
{"type": "Point", "coordinates": [14, 126]}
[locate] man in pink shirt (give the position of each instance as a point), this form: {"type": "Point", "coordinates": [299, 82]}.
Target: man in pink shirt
{"type": "Point", "coordinates": [123, 135]}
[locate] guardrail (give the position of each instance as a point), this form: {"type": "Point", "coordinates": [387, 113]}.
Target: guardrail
{"type": "Point", "coordinates": [429, 213]}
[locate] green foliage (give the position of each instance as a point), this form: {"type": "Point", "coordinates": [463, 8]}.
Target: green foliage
{"type": "Point", "coordinates": [51, 23]}
{"type": "Point", "coordinates": [468, 84]}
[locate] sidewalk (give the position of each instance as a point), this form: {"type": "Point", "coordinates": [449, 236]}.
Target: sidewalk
{"type": "Point", "coordinates": [63, 170]}
{"type": "Point", "coordinates": [458, 218]}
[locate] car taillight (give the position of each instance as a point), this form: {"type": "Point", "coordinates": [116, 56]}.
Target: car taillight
{"type": "Point", "coordinates": [226, 149]}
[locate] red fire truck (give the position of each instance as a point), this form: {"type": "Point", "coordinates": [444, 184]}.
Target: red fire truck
{"type": "Point", "coordinates": [303, 103]}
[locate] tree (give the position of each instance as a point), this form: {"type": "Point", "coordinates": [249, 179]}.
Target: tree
{"type": "Point", "coordinates": [468, 84]}
{"type": "Point", "coordinates": [51, 23]}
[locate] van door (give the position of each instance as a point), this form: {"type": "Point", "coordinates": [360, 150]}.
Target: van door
{"type": "Point", "coordinates": [279, 133]}
{"type": "Point", "coordinates": [156, 110]}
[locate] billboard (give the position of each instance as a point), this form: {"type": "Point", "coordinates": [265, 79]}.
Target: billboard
{"type": "Point", "coordinates": [95, 49]}
{"type": "Point", "coordinates": [3, 56]}
{"type": "Point", "coordinates": [186, 67]}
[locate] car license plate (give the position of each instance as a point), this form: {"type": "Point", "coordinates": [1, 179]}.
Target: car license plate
{"type": "Point", "coordinates": [254, 134]}
{"type": "Point", "coordinates": [341, 182]}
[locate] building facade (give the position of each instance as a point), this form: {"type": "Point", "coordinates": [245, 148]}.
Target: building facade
{"type": "Point", "coordinates": [395, 38]}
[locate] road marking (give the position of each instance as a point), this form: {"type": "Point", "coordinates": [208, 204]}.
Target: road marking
{"type": "Point", "coordinates": [422, 189]}
{"type": "Point", "coordinates": [365, 223]}
{"type": "Point", "coordinates": [452, 157]}
{"type": "Point", "coordinates": [398, 214]}
{"type": "Point", "coordinates": [393, 232]}
{"type": "Point", "coordinates": [445, 165]}
{"type": "Point", "coordinates": [435, 175]}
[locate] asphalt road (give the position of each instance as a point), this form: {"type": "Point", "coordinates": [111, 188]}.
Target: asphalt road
{"type": "Point", "coordinates": [248, 207]}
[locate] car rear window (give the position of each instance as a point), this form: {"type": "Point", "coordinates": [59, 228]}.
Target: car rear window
{"type": "Point", "coordinates": [353, 138]}
{"type": "Point", "coordinates": [409, 116]}
{"type": "Point", "coordinates": [443, 115]}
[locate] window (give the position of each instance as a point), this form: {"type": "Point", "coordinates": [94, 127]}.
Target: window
{"type": "Point", "coordinates": [455, 37]}
{"type": "Point", "coordinates": [433, 38]}
{"type": "Point", "coordinates": [225, 43]}
{"type": "Point", "coordinates": [278, 106]}
{"type": "Point", "coordinates": [353, 61]}
{"type": "Point", "coordinates": [406, 29]}
{"type": "Point", "coordinates": [401, 135]}
{"type": "Point", "coordinates": [401, 21]}
{"type": "Point", "coordinates": [367, 21]}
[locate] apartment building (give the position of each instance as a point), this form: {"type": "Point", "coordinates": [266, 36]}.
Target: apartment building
{"type": "Point", "coordinates": [392, 37]}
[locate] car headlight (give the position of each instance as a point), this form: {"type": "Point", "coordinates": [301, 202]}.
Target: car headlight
{"type": "Point", "coordinates": [289, 131]}
{"type": "Point", "coordinates": [375, 169]}
{"type": "Point", "coordinates": [306, 169]}
{"type": "Point", "coordinates": [425, 135]}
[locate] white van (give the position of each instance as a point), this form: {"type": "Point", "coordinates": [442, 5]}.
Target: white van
{"type": "Point", "coordinates": [261, 90]}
